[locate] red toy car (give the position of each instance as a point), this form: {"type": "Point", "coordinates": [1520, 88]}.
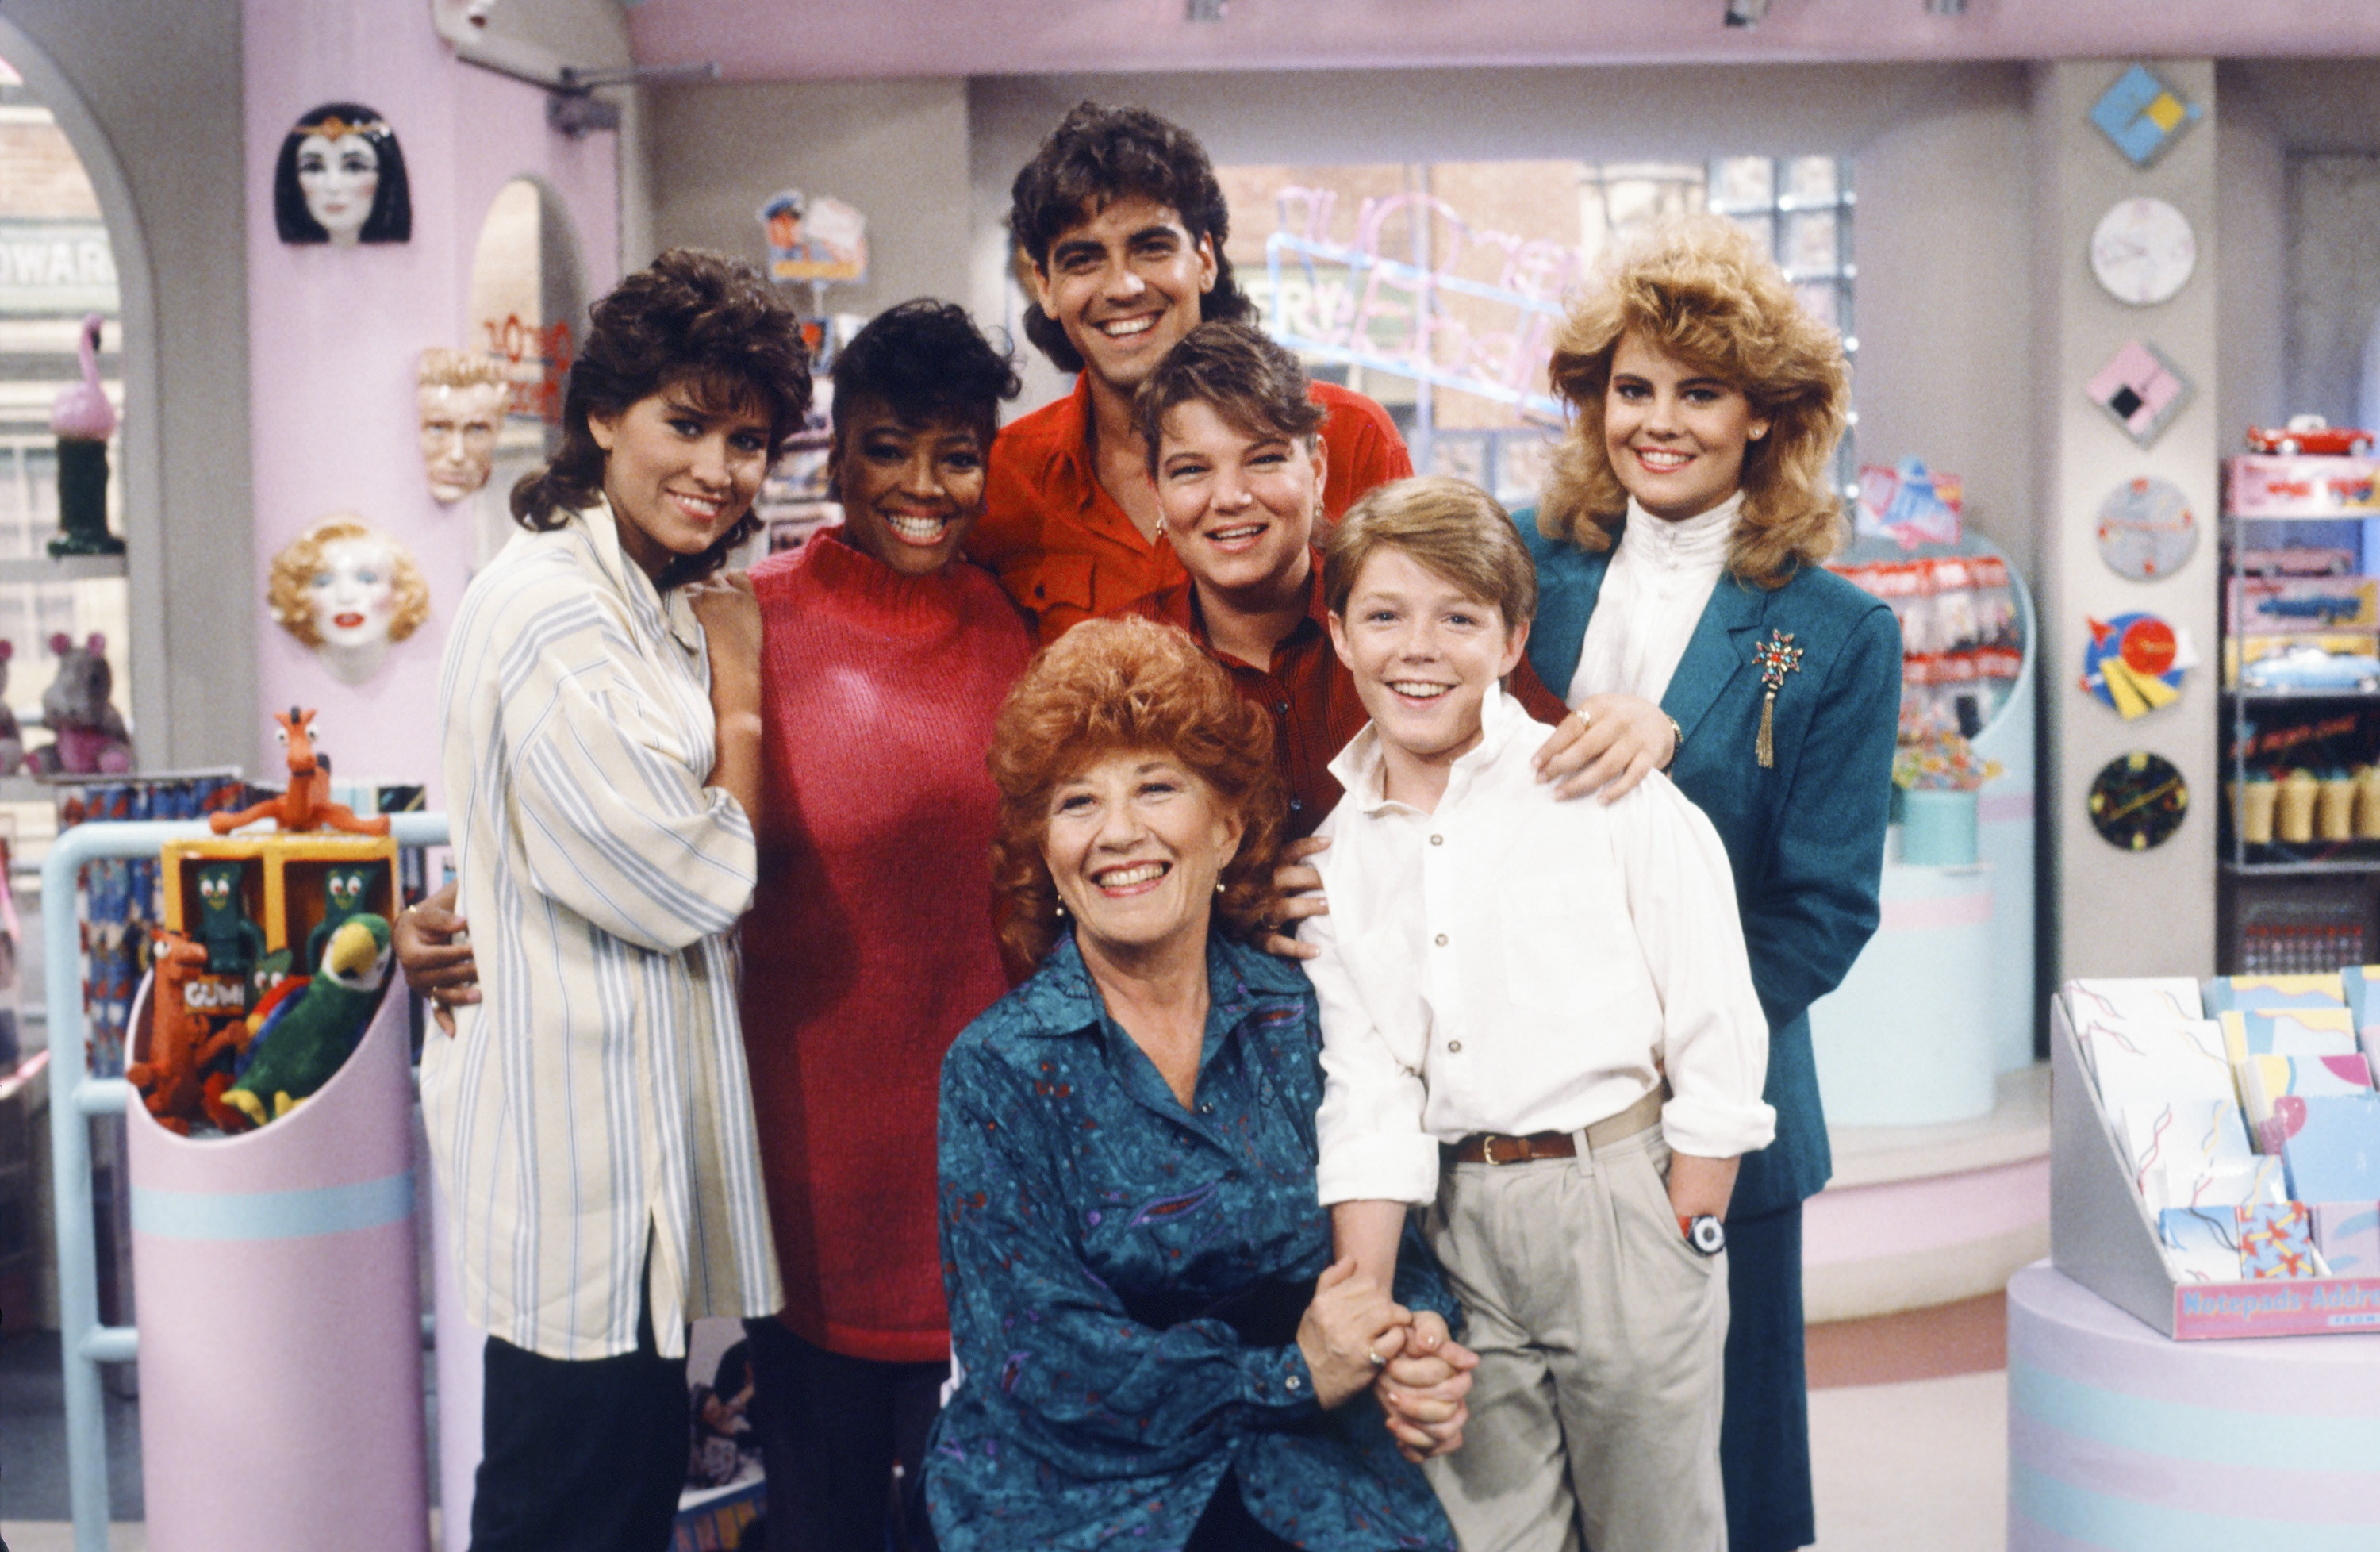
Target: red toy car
{"type": "Point", "coordinates": [2310, 433]}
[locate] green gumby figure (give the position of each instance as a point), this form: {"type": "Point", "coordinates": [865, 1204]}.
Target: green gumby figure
{"type": "Point", "coordinates": [233, 943]}
{"type": "Point", "coordinates": [344, 890]}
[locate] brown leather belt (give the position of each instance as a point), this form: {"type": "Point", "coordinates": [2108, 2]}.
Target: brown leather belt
{"type": "Point", "coordinates": [1494, 1147]}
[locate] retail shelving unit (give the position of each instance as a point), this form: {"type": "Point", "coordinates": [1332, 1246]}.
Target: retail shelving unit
{"type": "Point", "coordinates": [2288, 899]}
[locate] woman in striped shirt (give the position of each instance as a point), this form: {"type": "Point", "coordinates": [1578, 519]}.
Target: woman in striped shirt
{"type": "Point", "coordinates": [592, 1116]}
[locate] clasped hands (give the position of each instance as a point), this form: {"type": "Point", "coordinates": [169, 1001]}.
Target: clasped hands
{"type": "Point", "coordinates": [1421, 1377]}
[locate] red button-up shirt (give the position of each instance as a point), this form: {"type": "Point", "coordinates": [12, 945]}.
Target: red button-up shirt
{"type": "Point", "coordinates": [1310, 696]}
{"type": "Point", "coordinates": [1066, 551]}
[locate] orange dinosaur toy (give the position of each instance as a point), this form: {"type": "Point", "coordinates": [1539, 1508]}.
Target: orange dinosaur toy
{"type": "Point", "coordinates": [174, 1083]}
{"type": "Point", "coordinates": [306, 805]}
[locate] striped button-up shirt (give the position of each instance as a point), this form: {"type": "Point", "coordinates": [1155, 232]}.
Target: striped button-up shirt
{"type": "Point", "coordinates": [594, 1104]}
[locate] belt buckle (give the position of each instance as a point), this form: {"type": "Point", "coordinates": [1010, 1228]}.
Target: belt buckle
{"type": "Point", "coordinates": [1487, 1151]}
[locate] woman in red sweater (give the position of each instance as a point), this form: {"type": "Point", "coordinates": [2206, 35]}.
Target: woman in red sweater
{"type": "Point", "coordinates": [884, 658]}
{"type": "Point", "coordinates": [870, 942]}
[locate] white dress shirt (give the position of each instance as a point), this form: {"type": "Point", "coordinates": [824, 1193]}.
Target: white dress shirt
{"type": "Point", "coordinates": [595, 1102]}
{"type": "Point", "coordinates": [1513, 964]}
{"type": "Point", "coordinates": [1654, 592]}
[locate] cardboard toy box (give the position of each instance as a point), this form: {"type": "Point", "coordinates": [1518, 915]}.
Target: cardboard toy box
{"type": "Point", "coordinates": [2275, 485]}
{"type": "Point", "coordinates": [2102, 1235]}
{"type": "Point", "coordinates": [2298, 605]}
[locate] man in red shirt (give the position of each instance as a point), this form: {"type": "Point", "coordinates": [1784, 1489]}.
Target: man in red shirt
{"type": "Point", "coordinates": [1124, 223]}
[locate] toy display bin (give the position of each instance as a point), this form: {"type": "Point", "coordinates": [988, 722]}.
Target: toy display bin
{"type": "Point", "coordinates": [281, 1405]}
{"type": "Point", "coordinates": [1907, 1039]}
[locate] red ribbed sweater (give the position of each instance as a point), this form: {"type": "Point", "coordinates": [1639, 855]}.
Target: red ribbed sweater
{"type": "Point", "coordinates": [870, 942]}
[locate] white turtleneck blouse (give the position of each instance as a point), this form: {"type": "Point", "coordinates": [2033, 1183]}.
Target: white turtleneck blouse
{"type": "Point", "coordinates": [1653, 595]}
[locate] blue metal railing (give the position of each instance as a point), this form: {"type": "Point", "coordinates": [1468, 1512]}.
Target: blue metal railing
{"type": "Point", "coordinates": [75, 1098]}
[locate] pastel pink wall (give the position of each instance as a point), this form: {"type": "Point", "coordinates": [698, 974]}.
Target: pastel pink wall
{"type": "Point", "coordinates": [771, 39]}
{"type": "Point", "coordinates": [334, 334]}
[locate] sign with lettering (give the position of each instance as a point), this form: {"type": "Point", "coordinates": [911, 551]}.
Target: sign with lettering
{"type": "Point", "coordinates": [55, 269]}
{"type": "Point", "coordinates": [1351, 302]}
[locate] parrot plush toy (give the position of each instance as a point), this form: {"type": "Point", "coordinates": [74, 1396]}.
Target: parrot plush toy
{"type": "Point", "coordinates": [314, 1030]}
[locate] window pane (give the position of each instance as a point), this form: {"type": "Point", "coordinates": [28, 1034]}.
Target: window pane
{"type": "Point", "coordinates": [1810, 242]}
{"type": "Point", "coordinates": [1811, 177]}
{"type": "Point", "coordinates": [1818, 301]}
{"type": "Point", "coordinates": [1743, 182]}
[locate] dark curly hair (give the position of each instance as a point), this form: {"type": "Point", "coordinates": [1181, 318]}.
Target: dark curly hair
{"type": "Point", "coordinates": [695, 321]}
{"type": "Point", "coordinates": [925, 360]}
{"type": "Point", "coordinates": [1239, 372]}
{"type": "Point", "coordinates": [1100, 154]}
{"type": "Point", "coordinates": [1118, 686]}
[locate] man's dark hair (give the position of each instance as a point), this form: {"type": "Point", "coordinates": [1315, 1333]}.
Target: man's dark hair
{"type": "Point", "coordinates": [925, 360]}
{"type": "Point", "coordinates": [1097, 155]}
{"type": "Point", "coordinates": [696, 321]}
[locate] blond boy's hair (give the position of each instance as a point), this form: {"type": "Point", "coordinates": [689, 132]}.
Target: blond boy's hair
{"type": "Point", "coordinates": [1450, 527]}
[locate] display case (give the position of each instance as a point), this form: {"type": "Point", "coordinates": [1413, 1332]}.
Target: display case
{"type": "Point", "coordinates": [2299, 877]}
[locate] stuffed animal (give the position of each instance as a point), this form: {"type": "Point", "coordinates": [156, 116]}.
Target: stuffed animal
{"type": "Point", "coordinates": [233, 943]}
{"type": "Point", "coordinates": [317, 1028]}
{"type": "Point", "coordinates": [307, 803]}
{"type": "Point", "coordinates": [12, 738]}
{"type": "Point", "coordinates": [184, 1079]}
{"type": "Point", "coordinates": [90, 736]}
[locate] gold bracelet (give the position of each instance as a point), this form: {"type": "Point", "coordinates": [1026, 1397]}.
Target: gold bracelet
{"type": "Point", "coordinates": [1677, 744]}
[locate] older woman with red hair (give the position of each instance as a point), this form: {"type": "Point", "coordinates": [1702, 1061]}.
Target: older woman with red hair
{"type": "Point", "coordinates": [1157, 1341]}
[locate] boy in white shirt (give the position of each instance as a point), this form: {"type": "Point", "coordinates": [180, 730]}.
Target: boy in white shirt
{"type": "Point", "coordinates": [1538, 1022]}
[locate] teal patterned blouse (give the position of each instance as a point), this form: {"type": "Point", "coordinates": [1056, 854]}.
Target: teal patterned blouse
{"type": "Point", "coordinates": [1125, 1278]}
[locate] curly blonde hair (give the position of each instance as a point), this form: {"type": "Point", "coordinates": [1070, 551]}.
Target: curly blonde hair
{"type": "Point", "coordinates": [1699, 290]}
{"type": "Point", "coordinates": [295, 567]}
{"type": "Point", "coordinates": [1119, 686]}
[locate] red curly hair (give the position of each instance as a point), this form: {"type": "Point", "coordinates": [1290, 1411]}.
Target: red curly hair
{"type": "Point", "coordinates": [1117, 686]}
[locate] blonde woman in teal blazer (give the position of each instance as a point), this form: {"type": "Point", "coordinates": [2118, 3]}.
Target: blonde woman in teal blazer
{"type": "Point", "coordinates": [1698, 383]}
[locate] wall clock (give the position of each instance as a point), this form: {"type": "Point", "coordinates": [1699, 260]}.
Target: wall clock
{"type": "Point", "coordinates": [2146, 529]}
{"type": "Point", "coordinates": [2143, 251]}
{"type": "Point", "coordinates": [2138, 801]}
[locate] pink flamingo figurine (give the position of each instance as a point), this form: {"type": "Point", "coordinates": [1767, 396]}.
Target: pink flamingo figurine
{"type": "Point", "coordinates": [83, 420]}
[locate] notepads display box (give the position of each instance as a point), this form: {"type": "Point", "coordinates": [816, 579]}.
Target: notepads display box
{"type": "Point", "coordinates": [2104, 1228]}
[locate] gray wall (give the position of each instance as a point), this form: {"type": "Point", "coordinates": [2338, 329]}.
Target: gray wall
{"type": "Point", "coordinates": [155, 113]}
{"type": "Point", "coordinates": [897, 150]}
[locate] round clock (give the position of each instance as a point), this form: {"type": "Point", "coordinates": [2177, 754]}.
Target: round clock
{"type": "Point", "coordinates": [2138, 801]}
{"type": "Point", "coordinates": [2143, 251]}
{"type": "Point", "coordinates": [2146, 530]}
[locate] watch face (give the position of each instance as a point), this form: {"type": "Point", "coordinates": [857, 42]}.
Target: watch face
{"type": "Point", "coordinates": [2143, 251]}
{"type": "Point", "coordinates": [2138, 801]}
{"type": "Point", "coordinates": [2146, 530]}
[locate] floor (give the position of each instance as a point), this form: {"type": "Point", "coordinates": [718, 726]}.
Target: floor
{"type": "Point", "coordinates": [1908, 1426]}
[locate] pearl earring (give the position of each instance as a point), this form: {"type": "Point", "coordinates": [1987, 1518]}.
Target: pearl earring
{"type": "Point", "coordinates": [1060, 908]}
{"type": "Point", "coordinates": [1219, 886]}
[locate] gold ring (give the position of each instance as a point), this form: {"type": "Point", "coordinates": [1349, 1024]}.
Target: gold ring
{"type": "Point", "coordinates": [1584, 721]}
{"type": "Point", "coordinates": [1378, 1362]}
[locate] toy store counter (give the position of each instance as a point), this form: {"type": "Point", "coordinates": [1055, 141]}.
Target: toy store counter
{"type": "Point", "coordinates": [2121, 1439]}
{"type": "Point", "coordinates": [1920, 1216]}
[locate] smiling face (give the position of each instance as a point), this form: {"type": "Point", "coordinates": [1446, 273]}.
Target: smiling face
{"type": "Point", "coordinates": [1124, 285]}
{"type": "Point", "coordinates": [1423, 653]}
{"type": "Point", "coordinates": [1675, 434]}
{"type": "Point", "coordinates": [458, 436]}
{"type": "Point", "coordinates": [680, 476]}
{"type": "Point", "coordinates": [1239, 505]}
{"type": "Point", "coordinates": [339, 179]}
{"type": "Point", "coordinates": [910, 493]}
{"type": "Point", "coordinates": [353, 592]}
{"type": "Point", "coordinates": [1134, 845]}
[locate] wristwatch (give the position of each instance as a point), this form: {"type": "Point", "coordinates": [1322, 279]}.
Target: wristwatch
{"type": "Point", "coordinates": [1705, 1234]}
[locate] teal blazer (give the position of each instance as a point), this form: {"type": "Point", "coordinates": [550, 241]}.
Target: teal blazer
{"type": "Point", "coordinates": [1805, 836]}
